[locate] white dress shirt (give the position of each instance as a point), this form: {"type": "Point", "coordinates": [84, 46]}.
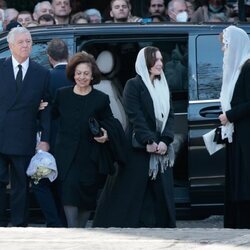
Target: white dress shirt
{"type": "Point", "coordinates": [15, 64]}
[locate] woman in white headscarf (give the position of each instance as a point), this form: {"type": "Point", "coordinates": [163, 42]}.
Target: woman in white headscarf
{"type": "Point", "coordinates": [235, 102]}
{"type": "Point", "coordinates": [142, 193]}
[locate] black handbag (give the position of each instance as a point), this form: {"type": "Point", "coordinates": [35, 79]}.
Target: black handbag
{"type": "Point", "coordinates": [137, 144]}
{"type": "Point", "coordinates": [217, 136]}
{"type": "Point", "coordinates": [95, 127]}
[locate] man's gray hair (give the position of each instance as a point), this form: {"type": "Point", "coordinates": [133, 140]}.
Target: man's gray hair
{"type": "Point", "coordinates": [93, 12]}
{"type": "Point", "coordinates": [18, 30]}
{"type": "Point", "coordinates": [38, 5]}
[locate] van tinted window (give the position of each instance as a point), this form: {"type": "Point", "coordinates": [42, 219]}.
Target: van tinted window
{"type": "Point", "coordinates": [175, 57]}
{"type": "Point", "coordinates": [209, 67]}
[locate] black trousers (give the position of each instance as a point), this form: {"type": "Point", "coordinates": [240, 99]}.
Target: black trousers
{"type": "Point", "coordinates": [13, 169]}
{"type": "Point", "coordinates": [48, 196]}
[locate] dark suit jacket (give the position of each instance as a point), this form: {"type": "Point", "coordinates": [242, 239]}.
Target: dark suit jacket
{"type": "Point", "coordinates": [19, 111]}
{"type": "Point", "coordinates": [58, 79]}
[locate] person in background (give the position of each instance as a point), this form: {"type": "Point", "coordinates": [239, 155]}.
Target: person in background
{"type": "Point", "coordinates": [79, 18]}
{"type": "Point", "coordinates": [46, 19]}
{"type": "Point", "coordinates": [58, 56]}
{"type": "Point", "coordinates": [83, 158]}
{"type": "Point", "coordinates": [3, 4]}
{"type": "Point", "coordinates": [177, 11]}
{"type": "Point", "coordinates": [2, 20]}
{"type": "Point", "coordinates": [22, 92]}
{"type": "Point", "coordinates": [12, 24]}
{"type": "Point", "coordinates": [49, 194]}
{"type": "Point", "coordinates": [93, 15]}
{"type": "Point", "coordinates": [24, 18]}
{"type": "Point", "coordinates": [62, 10]}
{"type": "Point", "coordinates": [42, 8]}
{"type": "Point", "coordinates": [10, 15]}
{"type": "Point", "coordinates": [190, 8]}
{"type": "Point", "coordinates": [212, 10]}
{"type": "Point", "coordinates": [32, 24]}
{"type": "Point", "coordinates": [156, 7]}
{"type": "Point", "coordinates": [142, 193]}
{"type": "Point", "coordinates": [235, 120]}
{"type": "Point", "coordinates": [119, 11]}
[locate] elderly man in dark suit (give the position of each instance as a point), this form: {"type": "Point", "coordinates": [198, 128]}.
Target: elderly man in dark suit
{"type": "Point", "coordinates": [23, 84]}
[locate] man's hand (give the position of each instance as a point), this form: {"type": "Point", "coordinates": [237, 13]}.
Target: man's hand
{"type": "Point", "coordinates": [43, 105]}
{"type": "Point", "coordinates": [42, 145]}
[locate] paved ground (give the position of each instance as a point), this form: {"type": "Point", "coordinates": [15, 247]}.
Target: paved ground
{"type": "Point", "coordinates": [121, 239]}
{"type": "Point", "coordinates": [215, 221]}
{"type": "Point", "coordinates": [207, 234]}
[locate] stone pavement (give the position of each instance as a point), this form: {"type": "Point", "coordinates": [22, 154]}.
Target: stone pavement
{"type": "Point", "coordinates": [121, 239]}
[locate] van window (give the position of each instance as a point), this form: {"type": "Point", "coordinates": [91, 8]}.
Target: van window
{"type": "Point", "coordinates": [39, 54]}
{"type": "Point", "coordinates": [175, 59]}
{"type": "Point", "coordinates": [209, 67]}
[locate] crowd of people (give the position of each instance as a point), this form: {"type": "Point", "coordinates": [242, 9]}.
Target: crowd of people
{"type": "Point", "coordinates": [60, 12]}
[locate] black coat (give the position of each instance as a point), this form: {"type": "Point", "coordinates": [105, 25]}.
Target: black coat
{"type": "Point", "coordinates": [238, 167]}
{"type": "Point", "coordinates": [121, 200]}
{"type": "Point", "coordinates": [74, 133]}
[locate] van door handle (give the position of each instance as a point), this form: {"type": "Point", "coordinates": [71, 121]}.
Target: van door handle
{"type": "Point", "coordinates": [211, 112]}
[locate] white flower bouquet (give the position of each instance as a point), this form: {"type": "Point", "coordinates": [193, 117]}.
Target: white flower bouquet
{"type": "Point", "coordinates": [42, 165]}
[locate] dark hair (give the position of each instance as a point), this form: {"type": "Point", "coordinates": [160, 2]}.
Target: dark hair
{"type": "Point", "coordinates": [83, 57]}
{"type": "Point", "coordinates": [13, 24]}
{"type": "Point", "coordinates": [58, 50]}
{"type": "Point", "coordinates": [148, 3]}
{"type": "Point", "coordinates": [46, 18]}
{"type": "Point", "coordinates": [150, 57]}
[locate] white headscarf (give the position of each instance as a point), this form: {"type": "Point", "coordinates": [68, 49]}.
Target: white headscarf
{"type": "Point", "coordinates": [236, 53]}
{"type": "Point", "coordinates": [159, 93]}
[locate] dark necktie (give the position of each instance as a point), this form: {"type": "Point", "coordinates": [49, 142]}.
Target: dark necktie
{"type": "Point", "coordinates": [19, 77]}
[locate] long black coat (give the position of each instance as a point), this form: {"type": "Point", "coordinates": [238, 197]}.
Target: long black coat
{"type": "Point", "coordinates": [122, 198]}
{"type": "Point", "coordinates": [74, 134]}
{"type": "Point", "coordinates": [238, 167]}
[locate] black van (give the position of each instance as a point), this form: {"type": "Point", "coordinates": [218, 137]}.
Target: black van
{"type": "Point", "coordinates": [193, 67]}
